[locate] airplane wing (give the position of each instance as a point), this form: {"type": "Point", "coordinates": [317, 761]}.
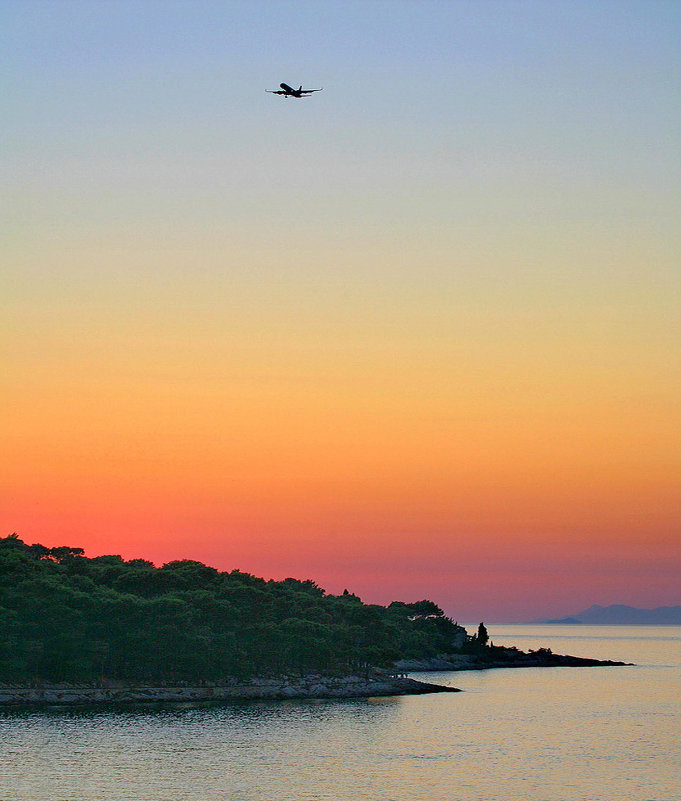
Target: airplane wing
{"type": "Point", "coordinates": [307, 91]}
{"type": "Point", "coordinates": [276, 91]}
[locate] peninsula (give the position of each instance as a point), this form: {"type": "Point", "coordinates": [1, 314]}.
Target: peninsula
{"type": "Point", "coordinates": [83, 630]}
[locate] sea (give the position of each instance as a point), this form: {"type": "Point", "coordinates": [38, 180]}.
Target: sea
{"type": "Point", "coordinates": [536, 734]}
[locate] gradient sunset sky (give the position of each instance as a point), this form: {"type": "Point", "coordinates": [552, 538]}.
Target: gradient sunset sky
{"type": "Point", "coordinates": [418, 335]}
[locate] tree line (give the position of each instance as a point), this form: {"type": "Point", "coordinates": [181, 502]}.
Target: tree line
{"type": "Point", "coordinates": [65, 617]}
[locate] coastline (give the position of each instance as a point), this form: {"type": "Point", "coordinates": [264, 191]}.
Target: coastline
{"type": "Point", "coordinates": [507, 659]}
{"type": "Point", "coordinates": [305, 687]}
{"type": "Point", "coordinates": [284, 688]}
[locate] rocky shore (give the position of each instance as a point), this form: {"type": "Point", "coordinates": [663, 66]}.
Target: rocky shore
{"type": "Point", "coordinates": [256, 689]}
{"type": "Point", "coordinates": [282, 688]}
{"type": "Point", "coordinates": [501, 658]}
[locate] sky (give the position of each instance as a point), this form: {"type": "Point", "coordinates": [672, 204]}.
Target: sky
{"type": "Point", "coordinates": [417, 335]}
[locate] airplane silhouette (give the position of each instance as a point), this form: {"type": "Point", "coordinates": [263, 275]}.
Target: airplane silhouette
{"type": "Point", "coordinates": [289, 91]}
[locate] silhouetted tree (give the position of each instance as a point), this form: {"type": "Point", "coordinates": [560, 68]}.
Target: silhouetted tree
{"type": "Point", "coordinates": [483, 636]}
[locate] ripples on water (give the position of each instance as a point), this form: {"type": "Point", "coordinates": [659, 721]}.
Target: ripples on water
{"type": "Point", "coordinates": [559, 734]}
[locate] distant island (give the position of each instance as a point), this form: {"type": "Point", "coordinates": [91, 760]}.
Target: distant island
{"type": "Point", "coordinates": [620, 614]}
{"type": "Point", "coordinates": [80, 630]}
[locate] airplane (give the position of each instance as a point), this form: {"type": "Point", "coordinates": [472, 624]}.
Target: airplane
{"type": "Point", "coordinates": [289, 91]}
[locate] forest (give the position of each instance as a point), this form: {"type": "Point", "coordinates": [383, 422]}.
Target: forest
{"type": "Point", "coordinates": [65, 617]}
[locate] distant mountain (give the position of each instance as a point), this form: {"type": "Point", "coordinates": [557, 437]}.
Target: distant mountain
{"type": "Point", "coordinates": [619, 614]}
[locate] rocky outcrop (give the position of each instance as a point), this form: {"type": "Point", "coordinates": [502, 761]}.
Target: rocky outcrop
{"type": "Point", "coordinates": [256, 689]}
{"type": "Point", "coordinates": [500, 658]}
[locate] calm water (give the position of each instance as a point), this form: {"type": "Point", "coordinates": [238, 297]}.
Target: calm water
{"type": "Point", "coordinates": [558, 734]}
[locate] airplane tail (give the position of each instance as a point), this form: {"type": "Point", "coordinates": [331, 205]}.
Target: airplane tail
{"type": "Point", "coordinates": [300, 88]}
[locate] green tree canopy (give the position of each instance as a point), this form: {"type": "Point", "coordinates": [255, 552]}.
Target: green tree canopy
{"type": "Point", "coordinates": [67, 617]}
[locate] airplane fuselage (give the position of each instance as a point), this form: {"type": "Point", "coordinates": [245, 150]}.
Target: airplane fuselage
{"type": "Point", "coordinates": [291, 91]}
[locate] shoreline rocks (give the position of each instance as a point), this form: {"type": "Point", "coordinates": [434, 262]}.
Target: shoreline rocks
{"type": "Point", "coordinates": [255, 689]}
{"type": "Point", "coordinates": [380, 684]}
{"type": "Point", "coordinates": [502, 658]}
